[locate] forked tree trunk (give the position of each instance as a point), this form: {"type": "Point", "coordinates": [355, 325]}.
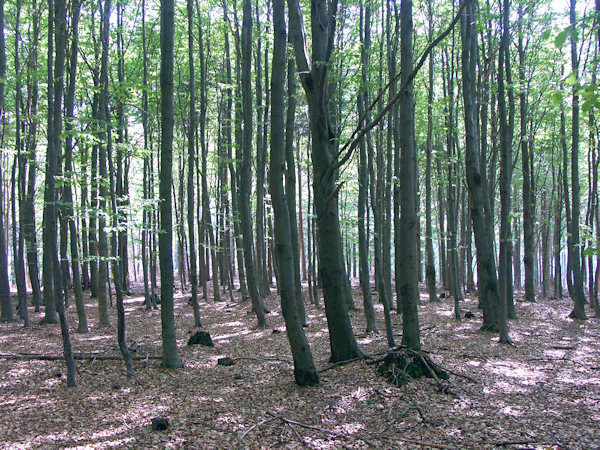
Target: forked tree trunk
{"type": "Point", "coordinates": [315, 82]}
{"type": "Point", "coordinates": [476, 177]}
{"type": "Point", "coordinates": [305, 371]}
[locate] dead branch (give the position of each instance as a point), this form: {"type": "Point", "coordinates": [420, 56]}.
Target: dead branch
{"type": "Point", "coordinates": [424, 444]}
{"type": "Point", "coordinates": [249, 358]}
{"type": "Point", "coordinates": [78, 356]}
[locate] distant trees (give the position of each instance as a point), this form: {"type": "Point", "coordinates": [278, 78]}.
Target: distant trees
{"type": "Point", "coordinates": [378, 141]}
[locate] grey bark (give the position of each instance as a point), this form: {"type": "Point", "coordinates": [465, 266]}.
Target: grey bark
{"type": "Point", "coordinates": [305, 372]}
{"type": "Point", "coordinates": [170, 352]}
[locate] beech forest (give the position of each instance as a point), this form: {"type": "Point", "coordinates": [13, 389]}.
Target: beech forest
{"type": "Point", "coordinates": [300, 224]}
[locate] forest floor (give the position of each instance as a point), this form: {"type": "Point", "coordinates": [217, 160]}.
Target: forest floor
{"type": "Point", "coordinates": [543, 392]}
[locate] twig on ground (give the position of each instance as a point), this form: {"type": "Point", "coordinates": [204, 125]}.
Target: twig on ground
{"type": "Point", "coordinates": [262, 422]}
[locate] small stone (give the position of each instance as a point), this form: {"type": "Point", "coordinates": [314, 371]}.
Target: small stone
{"type": "Point", "coordinates": [227, 361]}
{"type": "Point", "coordinates": [159, 423]}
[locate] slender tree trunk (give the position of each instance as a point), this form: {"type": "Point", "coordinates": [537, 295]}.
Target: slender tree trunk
{"type": "Point", "coordinates": [305, 372]}
{"type": "Point", "coordinates": [29, 223]}
{"type": "Point", "coordinates": [476, 177]}
{"type": "Point", "coordinates": [192, 166]}
{"type": "Point", "coordinates": [528, 199]}
{"type": "Point", "coordinates": [577, 294]}
{"type": "Point", "coordinates": [19, 179]}
{"type": "Point", "coordinates": [505, 180]}
{"type": "Point", "coordinates": [82, 326]}
{"type": "Point", "coordinates": [246, 169]}
{"type": "Point", "coordinates": [429, 261]}
{"type": "Point", "coordinates": [290, 186]}
{"type": "Point", "coordinates": [103, 317]}
{"type": "Point", "coordinates": [60, 20]}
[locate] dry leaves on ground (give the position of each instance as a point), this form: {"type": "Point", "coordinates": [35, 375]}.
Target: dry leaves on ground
{"type": "Point", "coordinates": [544, 392]}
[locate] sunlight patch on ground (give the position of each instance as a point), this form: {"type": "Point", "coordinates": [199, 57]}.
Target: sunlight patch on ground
{"type": "Point", "coordinates": [523, 375]}
{"type": "Point", "coordinates": [505, 387]}
{"type": "Point", "coordinates": [512, 411]}
{"type": "Point", "coordinates": [350, 428]}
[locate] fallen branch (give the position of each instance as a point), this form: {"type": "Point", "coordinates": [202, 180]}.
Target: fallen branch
{"type": "Point", "coordinates": [78, 356]}
{"type": "Point", "coordinates": [249, 358]}
{"type": "Point", "coordinates": [341, 363]}
{"type": "Point", "coordinates": [425, 444]}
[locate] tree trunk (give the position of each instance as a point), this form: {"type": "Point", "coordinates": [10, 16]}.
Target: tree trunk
{"type": "Point", "coordinates": [305, 371]}
{"type": "Point", "coordinates": [505, 180]}
{"type": "Point", "coordinates": [429, 260]}
{"type": "Point", "coordinates": [578, 294]}
{"type": "Point", "coordinates": [476, 177]}
{"type": "Point", "coordinates": [290, 187]}
{"type": "Point", "coordinates": [82, 326]}
{"type": "Point", "coordinates": [315, 82]}
{"type": "Point", "coordinates": [192, 166]}
{"type": "Point", "coordinates": [170, 353]}
{"type": "Point", "coordinates": [246, 169]}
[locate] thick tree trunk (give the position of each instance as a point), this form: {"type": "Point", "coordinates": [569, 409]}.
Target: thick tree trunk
{"type": "Point", "coordinates": [407, 235]}
{"type": "Point", "coordinates": [170, 353]}
{"type": "Point", "coordinates": [315, 82]}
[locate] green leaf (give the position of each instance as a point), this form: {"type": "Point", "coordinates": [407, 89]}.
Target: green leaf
{"type": "Point", "coordinates": [546, 34]}
{"type": "Point", "coordinates": [587, 105]}
{"type": "Point", "coordinates": [571, 80]}
{"type": "Point", "coordinates": [557, 98]}
{"type": "Point", "coordinates": [560, 39]}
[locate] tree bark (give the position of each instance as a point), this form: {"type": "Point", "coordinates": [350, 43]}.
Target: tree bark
{"type": "Point", "coordinates": [170, 353]}
{"type": "Point", "coordinates": [314, 80]}
{"type": "Point", "coordinates": [476, 177]}
{"type": "Point", "coordinates": [305, 372]}
{"type": "Point", "coordinates": [246, 169]}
